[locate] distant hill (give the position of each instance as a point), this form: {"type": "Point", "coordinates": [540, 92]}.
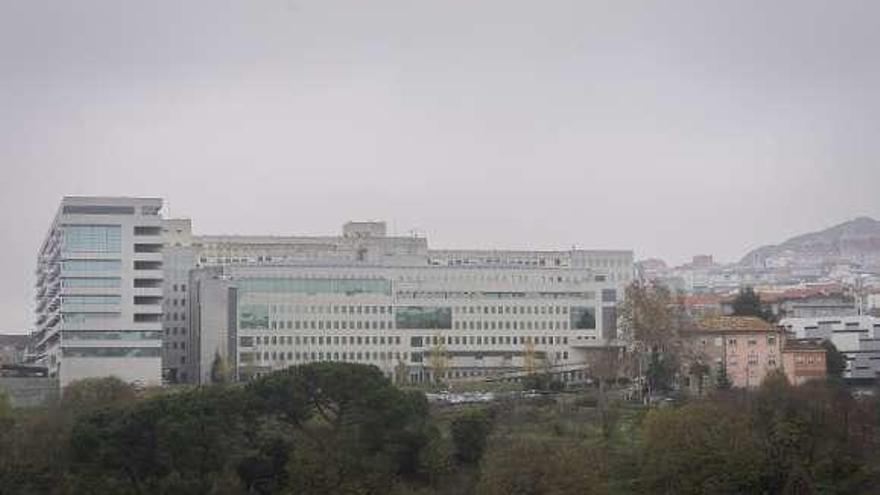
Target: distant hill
{"type": "Point", "coordinates": [856, 241]}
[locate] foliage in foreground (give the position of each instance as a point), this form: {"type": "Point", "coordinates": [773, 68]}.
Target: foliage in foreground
{"type": "Point", "coordinates": [343, 428]}
{"type": "Point", "coordinates": [320, 428]}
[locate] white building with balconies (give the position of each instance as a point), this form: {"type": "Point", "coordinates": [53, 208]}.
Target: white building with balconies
{"type": "Point", "coordinates": [99, 291]}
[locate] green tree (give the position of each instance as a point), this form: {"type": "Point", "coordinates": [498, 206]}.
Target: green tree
{"type": "Point", "coordinates": [5, 411]}
{"type": "Point", "coordinates": [183, 442]}
{"type": "Point", "coordinates": [219, 371]}
{"type": "Point", "coordinates": [524, 465]}
{"type": "Point", "coordinates": [705, 447]}
{"type": "Point", "coordinates": [699, 370]}
{"type": "Point", "coordinates": [722, 381]}
{"type": "Point", "coordinates": [85, 395]}
{"type": "Point", "coordinates": [353, 430]}
{"type": "Point", "coordinates": [661, 371]}
{"type": "Point", "coordinates": [470, 431]}
{"type": "Point", "coordinates": [748, 303]}
{"type": "Point", "coordinates": [651, 321]}
{"type": "Point", "coordinates": [835, 361]}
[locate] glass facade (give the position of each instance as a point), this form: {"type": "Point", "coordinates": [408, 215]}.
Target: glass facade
{"type": "Point", "coordinates": [110, 352]}
{"type": "Point", "coordinates": [91, 265]}
{"type": "Point", "coordinates": [349, 287]}
{"type": "Point", "coordinates": [253, 316]}
{"type": "Point", "coordinates": [423, 317]}
{"type": "Point", "coordinates": [583, 318]}
{"type": "Point", "coordinates": [100, 282]}
{"type": "Point", "coordinates": [112, 335]}
{"type": "Point", "coordinates": [88, 300]}
{"type": "Point", "coordinates": [92, 239]}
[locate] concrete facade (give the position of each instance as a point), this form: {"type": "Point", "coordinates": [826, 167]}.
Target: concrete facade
{"type": "Point", "coordinates": [804, 362]}
{"type": "Point", "coordinates": [748, 348]}
{"type": "Point", "coordinates": [857, 337]}
{"type": "Point", "coordinates": [99, 291]}
{"type": "Point", "coordinates": [264, 303]}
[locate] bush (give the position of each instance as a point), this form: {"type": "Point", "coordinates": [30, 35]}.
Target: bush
{"type": "Point", "coordinates": [469, 434]}
{"type": "Point", "coordinates": [531, 466]}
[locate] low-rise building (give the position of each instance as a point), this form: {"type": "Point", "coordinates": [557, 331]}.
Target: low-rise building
{"type": "Point", "coordinates": [857, 337]}
{"type": "Point", "coordinates": [803, 361]}
{"type": "Point", "coordinates": [747, 348]}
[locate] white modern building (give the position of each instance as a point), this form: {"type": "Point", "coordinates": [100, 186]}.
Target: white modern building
{"type": "Point", "coordinates": [857, 337]}
{"type": "Point", "coordinates": [99, 291]}
{"type": "Point", "coordinates": [265, 303]}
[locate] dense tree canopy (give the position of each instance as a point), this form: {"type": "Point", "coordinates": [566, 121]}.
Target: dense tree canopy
{"type": "Point", "coordinates": [748, 303]}
{"type": "Point", "coordinates": [344, 428]}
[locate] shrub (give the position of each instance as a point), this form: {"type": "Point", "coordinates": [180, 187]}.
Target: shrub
{"type": "Point", "coordinates": [469, 434]}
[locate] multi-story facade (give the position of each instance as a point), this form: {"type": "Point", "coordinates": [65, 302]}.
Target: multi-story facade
{"type": "Point", "coordinates": [857, 337]}
{"type": "Point", "coordinates": [748, 348]}
{"type": "Point", "coordinates": [179, 257]}
{"type": "Point", "coordinates": [266, 303]}
{"type": "Point", "coordinates": [99, 291]}
{"type": "Point", "coordinates": [803, 362]}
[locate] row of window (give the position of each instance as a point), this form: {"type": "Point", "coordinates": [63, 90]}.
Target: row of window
{"type": "Point", "coordinates": [488, 340]}
{"type": "Point", "coordinates": [809, 359]}
{"type": "Point", "coordinates": [751, 360]}
{"type": "Point", "coordinates": [512, 325]}
{"type": "Point", "coordinates": [111, 352]}
{"type": "Point", "coordinates": [332, 325]}
{"type": "Point", "coordinates": [329, 309]}
{"type": "Point", "coordinates": [444, 276]}
{"type": "Point", "coordinates": [322, 356]}
{"type": "Point", "coordinates": [494, 295]}
{"type": "Point", "coordinates": [175, 316]}
{"type": "Point", "coordinates": [389, 325]}
{"type": "Point", "coordinates": [318, 340]}
{"type": "Point", "coordinates": [251, 341]}
{"type": "Point", "coordinates": [92, 239]}
{"type": "Point", "coordinates": [91, 265]}
{"type": "Point", "coordinates": [771, 340]}
{"type": "Point", "coordinates": [111, 335]}
{"type": "Point", "coordinates": [96, 282]}
{"type": "Point", "coordinates": [380, 310]}
{"type": "Point", "coordinates": [91, 300]}
{"type": "Point", "coordinates": [523, 310]}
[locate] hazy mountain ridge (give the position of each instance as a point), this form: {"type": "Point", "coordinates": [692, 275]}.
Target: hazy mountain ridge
{"type": "Point", "coordinates": [855, 241]}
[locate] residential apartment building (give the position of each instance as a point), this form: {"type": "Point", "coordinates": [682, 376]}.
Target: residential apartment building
{"type": "Point", "coordinates": [99, 291]}
{"type": "Point", "coordinates": [748, 348]}
{"type": "Point", "coordinates": [265, 303]}
{"type": "Point", "coordinates": [804, 361]}
{"type": "Point", "coordinates": [857, 337]}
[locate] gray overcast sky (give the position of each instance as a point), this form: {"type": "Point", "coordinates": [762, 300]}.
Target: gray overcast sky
{"type": "Point", "coordinates": [668, 127]}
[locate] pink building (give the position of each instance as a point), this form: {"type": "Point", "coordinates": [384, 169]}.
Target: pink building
{"type": "Point", "coordinates": [804, 361]}
{"type": "Point", "coordinates": [747, 347]}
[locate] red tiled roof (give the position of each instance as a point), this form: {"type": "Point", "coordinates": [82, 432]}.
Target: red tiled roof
{"type": "Point", "coordinates": [701, 300]}
{"type": "Point", "coordinates": [793, 293]}
{"type": "Point", "coordinates": [797, 346]}
{"type": "Point", "coordinates": [734, 324]}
